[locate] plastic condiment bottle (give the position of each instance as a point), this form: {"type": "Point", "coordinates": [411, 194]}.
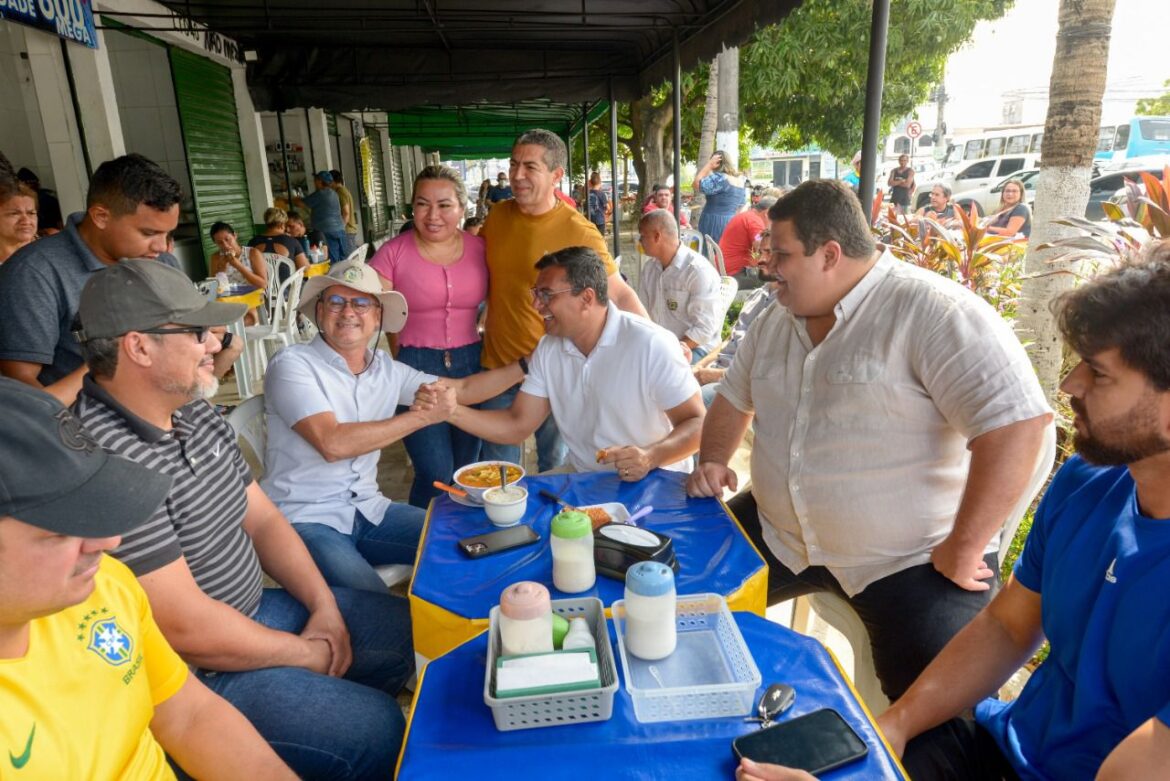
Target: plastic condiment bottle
{"type": "Point", "coordinates": [650, 631]}
{"type": "Point", "coordinates": [579, 635]}
{"type": "Point", "coordinates": [572, 550]}
{"type": "Point", "coordinates": [525, 619]}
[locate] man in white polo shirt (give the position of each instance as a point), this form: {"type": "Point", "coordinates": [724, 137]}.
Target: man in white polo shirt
{"type": "Point", "coordinates": [618, 387]}
{"type": "Point", "coordinates": [680, 286]}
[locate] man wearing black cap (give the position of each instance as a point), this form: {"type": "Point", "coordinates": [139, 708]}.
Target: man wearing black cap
{"type": "Point", "coordinates": [90, 687]}
{"type": "Point", "coordinates": [131, 208]}
{"type": "Point", "coordinates": [277, 655]}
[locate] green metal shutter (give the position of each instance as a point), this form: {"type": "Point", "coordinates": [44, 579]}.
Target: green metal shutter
{"type": "Point", "coordinates": [211, 133]}
{"type": "Point", "coordinates": [379, 222]}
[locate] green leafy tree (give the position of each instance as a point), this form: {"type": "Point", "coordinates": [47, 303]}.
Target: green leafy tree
{"type": "Point", "coordinates": [803, 81]}
{"type": "Point", "coordinates": [1155, 107]}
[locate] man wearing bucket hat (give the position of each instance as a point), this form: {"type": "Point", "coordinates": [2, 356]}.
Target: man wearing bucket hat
{"type": "Point", "coordinates": [90, 687]}
{"type": "Point", "coordinates": [332, 407]}
{"type": "Point", "coordinates": [145, 333]}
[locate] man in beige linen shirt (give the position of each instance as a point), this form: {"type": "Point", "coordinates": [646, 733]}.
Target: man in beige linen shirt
{"type": "Point", "coordinates": [898, 421]}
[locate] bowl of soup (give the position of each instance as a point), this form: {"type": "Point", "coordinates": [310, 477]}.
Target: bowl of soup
{"type": "Point", "coordinates": [482, 475]}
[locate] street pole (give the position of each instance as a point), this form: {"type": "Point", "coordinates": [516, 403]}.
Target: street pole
{"type": "Point", "coordinates": [874, 83]}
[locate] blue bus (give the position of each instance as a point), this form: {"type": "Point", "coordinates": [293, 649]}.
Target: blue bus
{"type": "Point", "coordinates": [1136, 137]}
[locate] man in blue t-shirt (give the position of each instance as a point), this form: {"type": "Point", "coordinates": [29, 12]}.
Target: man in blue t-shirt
{"type": "Point", "coordinates": [1093, 578]}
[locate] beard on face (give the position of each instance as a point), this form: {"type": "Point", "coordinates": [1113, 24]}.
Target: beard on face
{"type": "Point", "coordinates": [1122, 439]}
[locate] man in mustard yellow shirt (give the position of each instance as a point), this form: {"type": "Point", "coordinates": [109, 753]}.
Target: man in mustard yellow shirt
{"type": "Point", "coordinates": [90, 688]}
{"type": "Point", "coordinates": [518, 233]}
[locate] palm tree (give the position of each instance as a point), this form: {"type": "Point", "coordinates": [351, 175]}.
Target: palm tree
{"type": "Point", "coordinates": [1070, 139]}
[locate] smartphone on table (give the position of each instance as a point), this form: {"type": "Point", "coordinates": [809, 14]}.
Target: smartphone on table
{"type": "Point", "coordinates": [816, 742]}
{"type": "Point", "coordinates": [501, 540]}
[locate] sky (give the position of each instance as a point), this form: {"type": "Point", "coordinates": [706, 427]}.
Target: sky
{"type": "Point", "coordinates": [1015, 52]}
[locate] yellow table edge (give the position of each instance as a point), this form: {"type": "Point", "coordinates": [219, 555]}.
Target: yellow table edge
{"type": "Point", "coordinates": [253, 299]}
{"type": "Point", "coordinates": [317, 269]}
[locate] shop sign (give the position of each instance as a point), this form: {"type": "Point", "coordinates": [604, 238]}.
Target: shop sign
{"type": "Point", "coordinates": [211, 41]}
{"type": "Point", "coordinates": [69, 19]}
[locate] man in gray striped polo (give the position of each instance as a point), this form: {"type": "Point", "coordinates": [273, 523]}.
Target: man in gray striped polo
{"type": "Point", "coordinates": [297, 661]}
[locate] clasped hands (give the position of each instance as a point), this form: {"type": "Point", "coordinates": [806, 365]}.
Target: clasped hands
{"type": "Point", "coordinates": [435, 401]}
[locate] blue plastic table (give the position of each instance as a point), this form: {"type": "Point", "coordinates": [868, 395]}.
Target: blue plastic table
{"type": "Point", "coordinates": [451, 733]}
{"type": "Point", "coordinates": [451, 596]}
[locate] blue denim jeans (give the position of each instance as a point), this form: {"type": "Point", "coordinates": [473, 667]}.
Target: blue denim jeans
{"type": "Point", "coordinates": [328, 728]}
{"type": "Point", "coordinates": [698, 354]}
{"type": "Point", "coordinates": [439, 449]}
{"type": "Point", "coordinates": [336, 242]}
{"type": "Point", "coordinates": [348, 560]}
{"type": "Point", "coordinates": [709, 392]}
{"type": "Point", "coordinates": [550, 448]}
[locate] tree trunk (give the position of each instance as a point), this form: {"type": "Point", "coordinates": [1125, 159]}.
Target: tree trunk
{"type": "Point", "coordinates": [652, 149]}
{"type": "Point", "coordinates": [727, 129]}
{"type": "Point", "coordinates": [707, 130]}
{"type": "Point", "coordinates": [1070, 139]}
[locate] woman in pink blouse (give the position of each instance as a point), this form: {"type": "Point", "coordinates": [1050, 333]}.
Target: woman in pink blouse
{"type": "Point", "coordinates": [441, 271]}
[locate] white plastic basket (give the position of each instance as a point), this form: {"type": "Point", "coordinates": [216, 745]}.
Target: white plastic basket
{"type": "Point", "coordinates": [551, 710]}
{"type": "Point", "coordinates": [710, 674]}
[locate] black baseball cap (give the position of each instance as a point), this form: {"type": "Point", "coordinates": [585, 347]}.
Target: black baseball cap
{"type": "Point", "coordinates": [134, 295]}
{"type": "Point", "coordinates": [54, 474]}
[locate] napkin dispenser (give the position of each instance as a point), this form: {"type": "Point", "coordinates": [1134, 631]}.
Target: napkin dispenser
{"type": "Point", "coordinates": [617, 547]}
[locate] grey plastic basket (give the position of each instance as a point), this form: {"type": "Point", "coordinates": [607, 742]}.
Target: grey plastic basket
{"type": "Point", "coordinates": [710, 674]}
{"type": "Point", "coordinates": [551, 710]}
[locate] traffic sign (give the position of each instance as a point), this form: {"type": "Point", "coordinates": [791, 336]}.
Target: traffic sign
{"type": "Point", "coordinates": [914, 129]}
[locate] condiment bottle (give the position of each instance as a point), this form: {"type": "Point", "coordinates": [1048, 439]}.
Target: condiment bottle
{"type": "Point", "coordinates": [572, 551]}
{"type": "Point", "coordinates": [525, 619]}
{"type": "Point", "coordinates": [650, 631]}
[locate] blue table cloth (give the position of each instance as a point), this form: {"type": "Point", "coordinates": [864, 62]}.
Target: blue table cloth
{"type": "Point", "coordinates": [451, 733]}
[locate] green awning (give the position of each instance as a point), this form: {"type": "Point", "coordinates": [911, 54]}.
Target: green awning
{"type": "Point", "coordinates": [483, 130]}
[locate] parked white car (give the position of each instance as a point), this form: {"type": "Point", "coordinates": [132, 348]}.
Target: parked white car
{"type": "Point", "coordinates": [988, 197]}
{"type": "Point", "coordinates": [975, 174]}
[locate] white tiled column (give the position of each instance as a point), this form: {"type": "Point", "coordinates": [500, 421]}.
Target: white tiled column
{"type": "Point", "coordinates": [252, 139]}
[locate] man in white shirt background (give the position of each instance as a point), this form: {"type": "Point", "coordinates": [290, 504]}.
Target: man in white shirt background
{"type": "Point", "coordinates": [897, 423]}
{"type": "Point", "coordinates": [679, 286]}
{"type": "Point", "coordinates": [617, 385]}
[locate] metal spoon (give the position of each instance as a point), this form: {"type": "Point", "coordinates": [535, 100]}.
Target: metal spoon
{"type": "Point", "coordinates": [503, 477]}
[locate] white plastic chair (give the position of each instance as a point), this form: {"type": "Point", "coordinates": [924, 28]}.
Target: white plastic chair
{"type": "Point", "coordinates": [250, 424]}
{"type": "Point", "coordinates": [837, 613]}
{"type": "Point", "coordinates": [728, 286]}
{"type": "Point", "coordinates": [691, 238]}
{"type": "Point", "coordinates": [281, 325]}
{"type": "Point", "coordinates": [715, 254]}
{"type": "Point", "coordinates": [359, 254]}
{"type": "Point", "coordinates": [278, 266]}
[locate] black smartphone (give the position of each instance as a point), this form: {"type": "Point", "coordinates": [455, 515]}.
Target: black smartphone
{"type": "Point", "coordinates": [494, 542]}
{"type": "Point", "coordinates": [816, 742]}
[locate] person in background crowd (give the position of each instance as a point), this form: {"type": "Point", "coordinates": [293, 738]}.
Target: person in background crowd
{"type": "Point", "coordinates": [294, 226]}
{"type": "Point", "coordinates": [325, 206]}
{"type": "Point", "coordinates": [332, 405]}
{"type": "Point", "coordinates": [49, 217]}
{"type": "Point", "coordinates": [481, 199]}
{"type": "Point", "coordinates": [724, 188]}
{"type": "Point", "coordinates": [297, 660]}
{"type": "Point", "coordinates": [501, 191]}
{"type": "Point", "coordinates": [131, 209]}
{"type": "Point", "coordinates": [867, 355]}
{"type": "Point", "coordinates": [680, 287]}
{"type": "Point", "coordinates": [473, 225]}
{"type": "Point", "coordinates": [77, 638]}
{"type": "Point", "coordinates": [740, 241]}
{"type": "Point", "coordinates": [318, 247]}
{"type": "Point", "coordinates": [940, 207]}
{"type": "Point", "coordinates": [230, 260]}
{"type": "Point", "coordinates": [598, 202]}
{"type": "Point", "coordinates": [275, 240]}
{"type": "Point", "coordinates": [662, 197]}
{"type": "Point", "coordinates": [901, 182]}
{"type": "Point", "coordinates": [1014, 217]}
{"type": "Point", "coordinates": [18, 216]}
{"type": "Point", "coordinates": [636, 409]}
{"type": "Point", "coordinates": [441, 271]}
{"type": "Point", "coordinates": [348, 213]}
{"type": "Point", "coordinates": [518, 233]}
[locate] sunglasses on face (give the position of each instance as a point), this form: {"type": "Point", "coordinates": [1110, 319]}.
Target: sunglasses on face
{"type": "Point", "coordinates": [200, 331]}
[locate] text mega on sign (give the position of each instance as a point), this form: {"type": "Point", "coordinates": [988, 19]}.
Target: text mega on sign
{"type": "Point", "coordinates": [69, 19]}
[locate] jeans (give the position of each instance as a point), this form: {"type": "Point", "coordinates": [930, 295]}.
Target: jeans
{"type": "Point", "coordinates": [439, 449]}
{"type": "Point", "coordinates": [323, 727]}
{"type": "Point", "coordinates": [348, 560]}
{"type": "Point", "coordinates": [336, 242]}
{"type": "Point", "coordinates": [909, 615]}
{"type": "Point", "coordinates": [550, 448]}
{"type": "Point", "coordinates": [698, 354]}
{"type": "Point", "coordinates": [708, 393]}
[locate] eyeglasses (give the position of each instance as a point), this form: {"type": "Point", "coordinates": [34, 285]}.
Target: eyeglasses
{"type": "Point", "coordinates": [359, 304]}
{"type": "Point", "coordinates": [544, 296]}
{"type": "Point", "coordinates": [200, 331]}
